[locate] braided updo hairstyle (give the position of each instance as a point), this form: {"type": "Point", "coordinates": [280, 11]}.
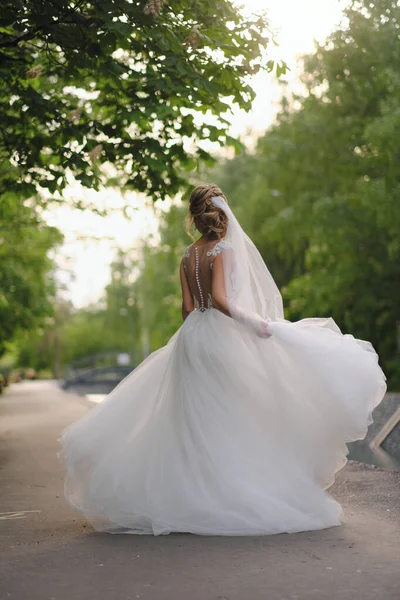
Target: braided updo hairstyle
{"type": "Point", "coordinates": [208, 219]}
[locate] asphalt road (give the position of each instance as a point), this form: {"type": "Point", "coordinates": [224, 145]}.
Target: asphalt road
{"type": "Point", "coordinates": [48, 552]}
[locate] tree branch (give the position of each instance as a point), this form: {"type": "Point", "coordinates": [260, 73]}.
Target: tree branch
{"type": "Point", "coordinates": [30, 34]}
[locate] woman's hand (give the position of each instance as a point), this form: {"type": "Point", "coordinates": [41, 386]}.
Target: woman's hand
{"type": "Point", "coordinates": [252, 321]}
{"type": "Point", "coordinates": [264, 329]}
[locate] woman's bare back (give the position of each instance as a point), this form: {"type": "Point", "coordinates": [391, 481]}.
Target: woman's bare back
{"type": "Point", "coordinates": [198, 263]}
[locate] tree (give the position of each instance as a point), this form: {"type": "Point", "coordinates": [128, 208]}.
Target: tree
{"type": "Point", "coordinates": [138, 84]}
{"type": "Point", "coordinates": [157, 287]}
{"type": "Point", "coordinates": [321, 196]}
{"type": "Point", "coordinates": [121, 314]}
{"type": "Point", "coordinates": [26, 274]}
{"type": "Point", "coordinates": [353, 254]}
{"type": "Point", "coordinates": [40, 347]}
{"type": "Point", "coordinates": [110, 326]}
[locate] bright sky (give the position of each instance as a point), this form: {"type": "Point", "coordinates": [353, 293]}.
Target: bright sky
{"type": "Point", "coordinates": [84, 263]}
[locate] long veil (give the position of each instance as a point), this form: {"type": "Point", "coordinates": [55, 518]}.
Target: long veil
{"type": "Point", "coordinates": [251, 291]}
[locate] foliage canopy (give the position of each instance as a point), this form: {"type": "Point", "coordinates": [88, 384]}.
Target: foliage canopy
{"type": "Point", "coordinates": [140, 84]}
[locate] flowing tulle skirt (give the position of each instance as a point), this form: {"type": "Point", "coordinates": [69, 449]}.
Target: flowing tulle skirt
{"type": "Point", "coordinates": [224, 433]}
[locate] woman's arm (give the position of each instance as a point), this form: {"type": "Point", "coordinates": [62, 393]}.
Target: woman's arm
{"type": "Point", "coordinates": [218, 290]}
{"type": "Point", "coordinates": [218, 294]}
{"type": "Point", "coordinates": [187, 298]}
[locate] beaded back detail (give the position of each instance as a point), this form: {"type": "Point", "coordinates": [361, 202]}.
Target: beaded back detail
{"type": "Point", "coordinates": [201, 307]}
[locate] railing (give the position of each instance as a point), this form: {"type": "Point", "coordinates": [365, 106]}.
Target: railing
{"type": "Point", "coordinates": [98, 376]}
{"type": "Point", "coordinates": [99, 360]}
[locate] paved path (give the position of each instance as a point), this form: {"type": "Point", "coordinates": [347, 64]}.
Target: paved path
{"type": "Point", "coordinates": [47, 552]}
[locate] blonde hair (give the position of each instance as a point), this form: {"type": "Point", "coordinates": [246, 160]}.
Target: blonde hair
{"type": "Point", "coordinates": [208, 219]}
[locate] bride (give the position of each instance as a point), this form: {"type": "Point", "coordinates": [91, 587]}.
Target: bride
{"type": "Point", "coordinates": [238, 425]}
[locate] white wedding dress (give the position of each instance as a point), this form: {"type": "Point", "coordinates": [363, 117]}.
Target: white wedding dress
{"type": "Point", "coordinates": [224, 432]}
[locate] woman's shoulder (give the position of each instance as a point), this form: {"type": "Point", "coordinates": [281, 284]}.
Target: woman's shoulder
{"type": "Point", "coordinates": [219, 247]}
{"type": "Point", "coordinates": [187, 251]}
